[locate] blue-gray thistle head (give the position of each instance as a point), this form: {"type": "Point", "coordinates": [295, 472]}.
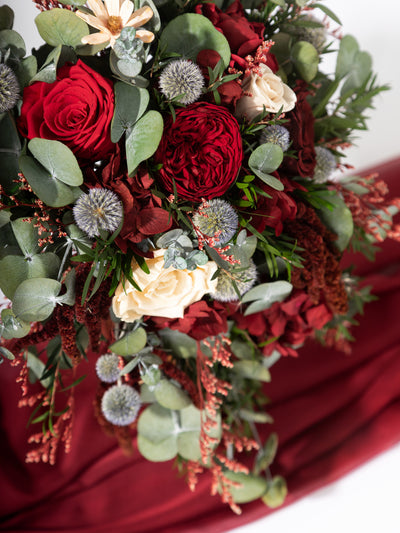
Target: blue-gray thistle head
{"type": "Point", "coordinates": [276, 134]}
{"type": "Point", "coordinates": [182, 78]}
{"type": "Point", "coordinates": [216, 218]}
{"type": "Point", "coordinates": [107, 368]}
{"type": "Point", "coordinates": [100, 209]}
{"type": "Point", "coordinates": [244, 279]}
{"type": "Point", "coordinates": [120, 405]}
{"type": "Point", "coordinates": [326, 164]}
{"type": "Point", "coordinates": [9, 88]}
{"type": "Point", "coordinates": [315, 36]}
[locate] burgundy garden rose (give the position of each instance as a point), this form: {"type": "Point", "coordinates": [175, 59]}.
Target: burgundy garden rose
{"type": "Point", "coordinates": [201, 151]}
{"type": "Point", "coordinates": [76, 110]}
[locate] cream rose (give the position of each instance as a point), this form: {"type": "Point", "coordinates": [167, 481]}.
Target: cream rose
{"type": "Point", "coordinates": [266, 90]}
{"type": "Point", "coordinates": [165, 292]}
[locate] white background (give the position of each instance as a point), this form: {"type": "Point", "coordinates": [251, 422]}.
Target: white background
{"type": "Point", "coordinates": [367, 500]}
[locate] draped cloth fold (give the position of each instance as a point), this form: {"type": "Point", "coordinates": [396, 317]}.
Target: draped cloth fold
{"type": "Point", "coordinates": [332, 412]}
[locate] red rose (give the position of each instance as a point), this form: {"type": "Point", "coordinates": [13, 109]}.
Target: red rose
{"type": "Point", "coordinates": [301, 129]}
{"type": "Point", "coordinates": [242, 35]}
{"type": "Point", "coordinates": [76, 110]}
{"type": "Point", "coordinates": [201, 151]}
{"type": "Point", "coordinates": [143, 214]}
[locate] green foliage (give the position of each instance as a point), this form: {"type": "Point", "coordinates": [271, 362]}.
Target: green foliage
{"type": "Point", "coordinates": [189, 34]}
{"type": "Point", "coordinates": [305, 59]}
{"type": "Point", "coordinates": [265, 159]}
{"type": "Point", "coordinates": [6, 18]}
{"type": "Point", "coordinates": [130, 104]}
{"type": "Point", "coordinates": [60, 26]}
{"type": "Point", "coordinates": [35, 299]}
{"type": "Point", "coordinates": [60, 55]}
{"type": "Point", "coordinates": [264, 295]}
{"type": "Point", "coordinates": [250, 487]}
{"type": "Point", "coordinates": [143, 139]}
{"type": "Point", "coordinates": [338, 219]}
{"type": "Point", "coordinates": [131, 343]}
{"type": "Point", "coordinates": [276, 492]}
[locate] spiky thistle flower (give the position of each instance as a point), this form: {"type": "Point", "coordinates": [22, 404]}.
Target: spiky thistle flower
{"type": "Point", "coordinates": [244, 279]}
{"type": "Point", "coordinates": [313, 35]}
{"type": "Point", "coordinates": [182, 78]}
{"type": "Point", "coordinates": [326, 164]}
{"type": "Point", "coordinates": [216, 218]}
{"type": "Point", "coordinates": [276, 134]}
{"type": "Point", "coordinates": [120, 405]}
{"type": "Point", "coordinates": [100, 209]}
{"type": "Point", "coordinates": [9, 88]}
{"type": "Point", "coordinates": [107, 368]}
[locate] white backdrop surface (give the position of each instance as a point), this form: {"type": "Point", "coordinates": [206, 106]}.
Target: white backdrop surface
{"type": "Point", "coordinates": [367, 500]}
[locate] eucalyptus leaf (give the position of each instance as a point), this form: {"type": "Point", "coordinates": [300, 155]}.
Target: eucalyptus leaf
{"type": "Point", "coordinates": [179, 343]}
{"type": "Point", "coordinates": [26, 70]}
{"type": "Point", "coordinates": [252, 370]}
{"type": "Point", "coordinates": [61, 26]}
{"type": "Point", "coordinates": [6, 353]}
{"type": "Point", "coordinates": [264, 295]}
{"type": "Point", "coordinates": [346, 56]}
{"type": "Point", "coordinates": [14, 269]}
{"type": "Point", "coordinates": [256, 417]}
{"type": "Point", "coordinates": [10, 150]}
{"type": "Point", "coordinates": [157, 452]}
{"type": "Point", "coordinates": [306, 59]}
{"type": "Point", "coordinates": [266, 454]}
{"type": "Point", "coordinates": [143, 140]}
{"type": "Point", "coordinates": [251, 487]}
{"type": "Point", "coordinates": [131, 343]}
{"type": "Point", "coordinates": [69, 297]}
{"type": "Point", "coordinates": [130, 104]}
{"type": "Point", "coordinates": [13, 328]}
{"type": "Point", "coordinates": [35, 299]}
{"type": "Point", "coordinates": [171, 396]}
{"type": "Point", "coordinates": [49, 189]}
{"type": "Point", "coordinates": [276, 492]}
{"type": "Point", "coordinates": [265, 159]}
{"type": "Point", "coordinates": [58, 159]}
{"type": "Point", "coordinates": [6, 18]}
{"type": "Point", "coordinates": [154, 23]}
{"type": "Point", "coordinates": [359, 73]}
{"type": "Point", "coordinates": [37, 366]}
{"type": "Point", "coordinates": [26, 236]}
{"type": "Point", "coordinates": [57, 57]}
{"type": "Point", "coordinates": [191, 33]}
{"type": "Point", "coordinates": [11, 40]}
{"type": "Point", "coordinates": [339, 220]}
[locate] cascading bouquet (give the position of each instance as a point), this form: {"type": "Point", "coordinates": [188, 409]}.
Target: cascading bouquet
{"type": "Point", "coordinates": [171, 212]}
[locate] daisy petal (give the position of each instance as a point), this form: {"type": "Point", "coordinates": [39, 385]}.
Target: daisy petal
{"type": "Point", "coordinates": [126, 11]}
{"type": "Point", "coordinates": [113, 7]}
{"type": "Point", "coordinates": [98, 8]}
{"type": "Point", "coordinates": [96, 38]}
{"type": "Point", "coordinates": [140, 17]}
{"type": "Point", "coordinates": [145, 36]}
{"type": "Point", "coordinates": [91, 20]}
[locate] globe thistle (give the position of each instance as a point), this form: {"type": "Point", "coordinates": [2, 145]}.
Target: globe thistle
{"type": "Point", "coordinates": [276, 135]}
{"type": "Point", "coordinates": [9, 88]}
{"type": "Point", "coordinates": [216, 218]}
{"type": "Point", "coordinates": [315, 36]}
{"type": "Point", "coordinates": [244, 280]}
{"type": "Point", "coordinates": [326, 164]}
{"type": "Point", "coordinates": [107, 368]}
{"type": "Point", "coordinates": [100, 209]}
{"type": "Point", "coordinates": [120, 405]}
{"type": "Point", "coordinates": [182, 78]}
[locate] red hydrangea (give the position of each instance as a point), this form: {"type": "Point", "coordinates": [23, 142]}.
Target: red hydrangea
{"type": "Point", "coordinates": [143, 214]}
{"type": "Point", "coordinates": [291, 322]}
{"type": "Point", "coordinates": [76, 110]}
{"type": "Point", "coordinates": [201, 151]}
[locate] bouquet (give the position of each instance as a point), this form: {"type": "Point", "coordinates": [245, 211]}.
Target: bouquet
{"type": "Point", "coordinates": [173, 212]}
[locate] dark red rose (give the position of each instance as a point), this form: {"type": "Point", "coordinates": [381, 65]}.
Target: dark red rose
{"type": "Point", "coordinates": [201, 320]}
{"type": "Point", "coordinates": [291, 322]}
{"type": "Point", "coordinates": [242, 35]}
{"type": "Point", "coordinates": [229, 92]}
{"type": "Point", "coordinates": [301, 129]}
{"type": "Point", "coordinates": [76, 110]}
{"type": "Point", "coordinates": [143, 214]}
{"type": "Point", "coordinates": [201, 151]}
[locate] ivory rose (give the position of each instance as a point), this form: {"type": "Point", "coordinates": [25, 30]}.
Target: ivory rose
{"type": "Point", "coordinates": [166, 292]}
{"type": "Point", "coordinates": [265, 90]}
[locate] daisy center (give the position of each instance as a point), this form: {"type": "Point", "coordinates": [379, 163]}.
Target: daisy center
{"type": "Point", "coordinates": [114, 24]}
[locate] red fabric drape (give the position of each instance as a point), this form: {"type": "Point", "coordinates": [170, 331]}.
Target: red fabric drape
{"type": "Point", "coordinates": [332, 412]}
